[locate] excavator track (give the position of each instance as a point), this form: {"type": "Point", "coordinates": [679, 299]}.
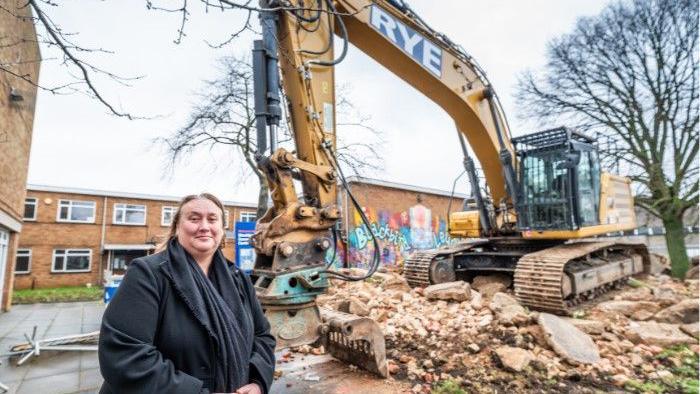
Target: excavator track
{"type": "Point", "coordinates": [541, 277]}
{"type": "Point", "coordinates": [417, 267]}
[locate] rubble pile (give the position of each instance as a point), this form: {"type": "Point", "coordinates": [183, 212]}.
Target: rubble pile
{"type": "Point", "coordinates": [485, 340]}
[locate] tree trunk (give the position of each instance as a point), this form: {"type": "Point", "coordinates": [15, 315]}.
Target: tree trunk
{"type": "Point", "coordinates": [675, 242]}
{"type": "Point", "coordinates": [263, 196]}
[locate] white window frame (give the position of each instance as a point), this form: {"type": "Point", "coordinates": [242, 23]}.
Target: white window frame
{"type": "Point", "coordinates": [70, 209]}
{"type": "Point", "coordinates": [29, 266]}
{"type": "Point", "coordinates": [226, 218]}
{"type": "Point", "coordinates": [65, 255]}
{"type": "Point", "coordinates": [36, 205]}
{"type": "Point", "coordinates": [162, 214]}
{"type": "Point", "coordinates": [245, 214]}
{"type": "Point", "coordinates": [114, 214]}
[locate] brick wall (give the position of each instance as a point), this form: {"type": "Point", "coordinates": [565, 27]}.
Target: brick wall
{"type": "Point", "coordinates": [16, 117]}
{"type": "Point", "coordinates": [46, 234]}
{"type": "Point", "coordinates": [19, 54]}
{"type": "Point", "coordinates": [403, 221]}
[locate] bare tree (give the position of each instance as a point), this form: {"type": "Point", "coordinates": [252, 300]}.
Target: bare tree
{"type": "Point", "coordinates": [83, 74]}
{"type": "Point", "coordinates": [630, 74]}
{"type": "Point", "coordinates": [226, 117]}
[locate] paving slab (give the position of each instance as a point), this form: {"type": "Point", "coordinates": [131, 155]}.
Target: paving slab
{"type": "Point", "coordinates": [62, 383]}
{"type": "Point", "coordinates": [78, 372]}
{"type": "Point", "coordinates": [51, 371]}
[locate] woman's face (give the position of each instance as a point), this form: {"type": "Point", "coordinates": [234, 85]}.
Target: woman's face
{"type": "Point", "coordinates": [200, 228]}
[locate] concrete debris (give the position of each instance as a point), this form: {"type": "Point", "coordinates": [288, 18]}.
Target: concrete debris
{"type": "Point", "coordinates": [513, 358]}
{"type": "Point", "coordinates": [450, 291]}
{"type": "Point", "coordinates": [489, 289]}
{"type": "Point", "coordinates": [692, 329]}
{"type": "Point", "coordinates": [568, 341]}
{"type": "Point", "coordinates": [684, 312]}
{"type": "Point", "coordinates": [397, 283]}
{"type": "Point", "coordinates": [591, 327]}
{"type": "Point", "coordinates": [476, 300]}
{"type": "Point", "coordinates": [311, 377]}
{"type": "Point", "coordinates": [479, 335]}
{"type": "Point", "coordinates": [354, 306]}
{"type": "Point", "coordinates": [484, 280]}
{"type": "Point", "coordinates": [627, 308]}
{"type": "Point", "coordinates": [508, 310]}
{"type": "Point", "coordinates": [661, 334]}
{"type": "Point", "coordinates": [665, 296]}
{"type": "Point", "coordinates": [658, 264]}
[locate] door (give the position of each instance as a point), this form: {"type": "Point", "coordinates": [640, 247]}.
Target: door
{"type": "Point", "coordinates": [4, 246]}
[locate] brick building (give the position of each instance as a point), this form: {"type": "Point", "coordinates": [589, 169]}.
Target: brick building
{"type": "Point", "coordinates": [71, 236]}
{"type": "Point", "coordinates": [403, 217]}
{"type": "Point", "coordinates": [20, 56]}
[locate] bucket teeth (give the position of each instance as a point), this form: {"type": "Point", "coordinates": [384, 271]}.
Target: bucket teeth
{"type": "Point", "coordinates": [356, 340]}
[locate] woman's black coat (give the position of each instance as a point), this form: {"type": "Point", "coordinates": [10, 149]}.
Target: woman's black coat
{"type": "Point", "coordinates": [151, 342]}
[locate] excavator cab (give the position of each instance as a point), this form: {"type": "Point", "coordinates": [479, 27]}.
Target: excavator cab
{"type": "Point", "coordinates": [559, 180]}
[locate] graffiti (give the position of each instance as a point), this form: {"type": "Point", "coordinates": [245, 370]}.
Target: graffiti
{"type": "Point", "coordinates": [398, 234]}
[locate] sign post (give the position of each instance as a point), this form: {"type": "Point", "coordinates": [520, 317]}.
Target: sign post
{"type": "Point", "coordinates": [245, 254]}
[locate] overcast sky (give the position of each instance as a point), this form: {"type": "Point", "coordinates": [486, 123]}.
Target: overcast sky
{"type": "Point", "coordinates": [78, 144]}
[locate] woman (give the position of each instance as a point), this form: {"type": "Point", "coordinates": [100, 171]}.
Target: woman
{"type": "Point", "coordinates": [185, 320]}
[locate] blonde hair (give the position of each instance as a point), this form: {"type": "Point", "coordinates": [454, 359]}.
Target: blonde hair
{"type": "Point", "coordinates": [176, 219]}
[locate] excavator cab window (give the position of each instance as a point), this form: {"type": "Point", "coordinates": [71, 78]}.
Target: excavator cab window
{"type": "Point", "coordinates": [559, 180]}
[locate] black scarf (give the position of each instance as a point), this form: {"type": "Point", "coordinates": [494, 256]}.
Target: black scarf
{"type": "Point", "coordinates": [216, 302]}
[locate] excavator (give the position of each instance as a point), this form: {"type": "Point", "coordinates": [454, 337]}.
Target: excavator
{"type": "Point", "coordinates": [546, 197]}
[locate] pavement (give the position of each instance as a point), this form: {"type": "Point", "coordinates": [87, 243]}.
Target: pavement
{"type": "Point", "coordinates": [51, 371]}
{"type": "Point", "coordinates": [78, 372]}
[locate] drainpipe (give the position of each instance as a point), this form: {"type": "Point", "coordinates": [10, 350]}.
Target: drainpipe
{"type": "Point", "coordinates": [102, 238]}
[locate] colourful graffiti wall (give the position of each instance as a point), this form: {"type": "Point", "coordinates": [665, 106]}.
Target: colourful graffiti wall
{"type": "Point", "coordinates": [398, 234]}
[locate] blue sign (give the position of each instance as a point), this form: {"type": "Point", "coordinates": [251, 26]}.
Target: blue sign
{"type": "Point", "coordinates": [410, 41]}
{"type": "Point", "coordinates": [245, 254]}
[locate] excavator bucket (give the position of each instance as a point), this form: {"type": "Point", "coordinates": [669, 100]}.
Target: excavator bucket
{"type": "Point", "coordinates": [354, 339]}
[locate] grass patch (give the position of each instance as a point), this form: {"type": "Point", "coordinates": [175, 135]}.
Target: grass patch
{"type": "Point", "coordinates": [683, 363]}
{"type": "Point", "coordinates": [447, 387]}
{"type": "Point", "coordinates": [57, 294]}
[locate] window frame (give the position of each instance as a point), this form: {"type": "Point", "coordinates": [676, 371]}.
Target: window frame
{"type": "Point", "coordinates": [70, 210]}
{"type": "Point", "coordinates": [36, 205]}
{"type": "Point", "coordinates": [246, 213]}
{"type": "Point", "coordinates": [226, 219]}
{"type": "Point", "coordinates": [29, 264]}
{"type": "Point", "coordinates": [114, 214]}
{"type": "Point", "coordinates": [65, 261]}
{"type": "Point", "coordinates": [162, 214]}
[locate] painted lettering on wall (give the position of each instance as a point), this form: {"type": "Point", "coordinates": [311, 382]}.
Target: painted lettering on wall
{"type": "Point", "coordinates": [398, 234]}
{"type": "Point", "coordinates": [410, 41]}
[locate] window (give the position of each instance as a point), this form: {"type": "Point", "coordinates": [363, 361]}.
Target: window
{"type": "Point", "coordinates": [76, 211]}
{"type": "Point", "coordinates": [129, 214]}
{"type": "Point", "coordinates": [71, 260]}
{"type": "Point", "coordinates": [30, 208]}
{"type": "Point", "coordinates": [248, 217]}
{"type": "Point", "coordinates": [23, 262]}
{"type": "Point", "coordinates": [225, 218]}
{"type": "Point", "coordinates": [167, 215]}
{"type": "Point", "coordinates": [122, 258]}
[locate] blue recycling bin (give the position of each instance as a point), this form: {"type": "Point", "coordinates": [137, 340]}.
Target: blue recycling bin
{"type": "Point", "coordinates": [111, 290]}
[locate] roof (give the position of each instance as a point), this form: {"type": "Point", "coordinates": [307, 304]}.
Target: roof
{"type": "Point", "coordinates": [351, 179]}
{"type": "Point", "coordinates": [402, 186]}
{"type": "Point", "coordinates": [128, 247]}
{"type": "Point", "coordinates": [108, 193]}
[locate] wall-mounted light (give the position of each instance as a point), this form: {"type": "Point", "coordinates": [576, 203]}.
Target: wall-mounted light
{"type": "Point", "coordinates": [15, 95]}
